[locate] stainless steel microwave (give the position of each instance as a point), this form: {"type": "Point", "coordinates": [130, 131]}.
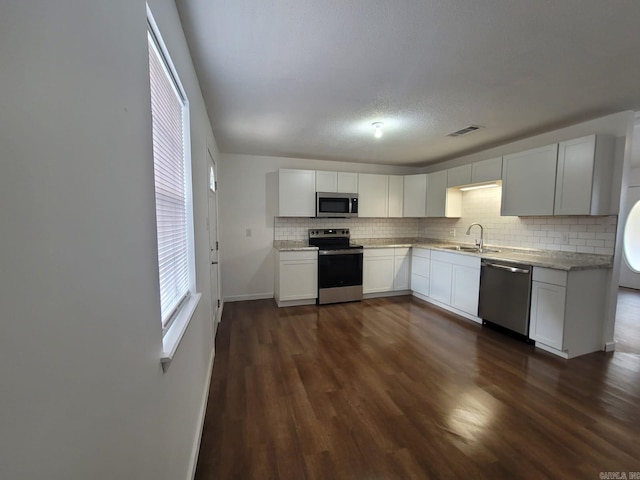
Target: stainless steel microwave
{"type": "Point", "coordinates": [336, 205]}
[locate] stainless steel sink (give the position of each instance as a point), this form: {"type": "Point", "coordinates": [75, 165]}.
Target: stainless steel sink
{"type": "Point", "coordinates": [469, 248]}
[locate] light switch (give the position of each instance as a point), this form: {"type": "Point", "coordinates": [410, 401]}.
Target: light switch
{"type": "Point", "coordinates": [248, 233]}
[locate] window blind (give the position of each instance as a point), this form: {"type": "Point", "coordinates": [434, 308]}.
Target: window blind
{"type": "Point", "coordinates": [167, 111]}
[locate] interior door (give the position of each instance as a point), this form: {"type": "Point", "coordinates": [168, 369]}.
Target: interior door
{"type": "Point", "coordinates": [213, 240]}
{"type": "Point", "coordinates": [630, 269]}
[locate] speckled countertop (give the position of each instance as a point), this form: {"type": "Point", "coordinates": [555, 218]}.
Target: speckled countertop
{"type": "Point", "coordinates": [537, 258]}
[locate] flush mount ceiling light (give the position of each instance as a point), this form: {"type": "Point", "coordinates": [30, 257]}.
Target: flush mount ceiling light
{"type": "Point", "coordinates": [476, 187]}
{"type": "Point", "coordinates": [378, 127]}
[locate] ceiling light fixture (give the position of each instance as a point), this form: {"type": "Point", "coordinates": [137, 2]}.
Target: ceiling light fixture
{"type": "Point", "coordinates": [378, 127]}
{"type": "Point", "coordinates": [476, 187]}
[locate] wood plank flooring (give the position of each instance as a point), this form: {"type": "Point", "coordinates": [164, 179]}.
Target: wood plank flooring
{"type": "Point", "coordinates": [395, 388]}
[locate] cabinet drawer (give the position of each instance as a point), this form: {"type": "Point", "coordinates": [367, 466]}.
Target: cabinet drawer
{"type": "Point", "coordinates": [378, 252]}
{"type": "Point", "coordinates": [299, 255]}
{"type": "Point", "coordinates": [421, 252]}
{"type": "Point", "coordinates": [549, 275]}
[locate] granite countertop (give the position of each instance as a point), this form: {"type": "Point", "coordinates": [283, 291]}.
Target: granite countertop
{"type": "Point", "coordinates": [538, 258]}
{"type": "Point", "coordinates": [292, 245]}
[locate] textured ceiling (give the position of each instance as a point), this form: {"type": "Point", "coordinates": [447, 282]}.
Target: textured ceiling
{"type": "Point", "coordinates": [306, 78]}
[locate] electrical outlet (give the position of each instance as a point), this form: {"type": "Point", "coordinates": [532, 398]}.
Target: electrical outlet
{"type": "Point", "coordinates": [248, 233]}
{"type": "Point", "coordinates": [452, 232]}
{"type": "Point", "coordinates": [565, 237]}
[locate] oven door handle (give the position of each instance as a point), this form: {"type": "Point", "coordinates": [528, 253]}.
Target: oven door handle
{"type": "Point", "coordinates": [340, 252]}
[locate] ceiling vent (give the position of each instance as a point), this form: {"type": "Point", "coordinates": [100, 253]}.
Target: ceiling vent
{"type": "Point", "coordinates": [464, 131]}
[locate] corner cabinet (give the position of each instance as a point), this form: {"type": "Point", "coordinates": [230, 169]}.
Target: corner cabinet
{"type": "Point", "coordinates": [529, 182]}
{"type": "Point", "coordinates": [441, 201]}
{"type": "Point", "coordinates": [415, 195]}
{"type": "Point", "coordinates": [296, 279]}
{"type": "Point", "coordinates": [583, 182]}
{"type": "Point", "coordinates": [567, 310]}
{"type": "Point", "coordinates": [296, 193]}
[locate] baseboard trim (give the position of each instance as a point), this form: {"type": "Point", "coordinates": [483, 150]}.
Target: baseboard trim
{"type": "Point", "coordinates": [203, 410]}
{"type": "Point", "coordinates": [610, 347]}
{"type": "Point", "coordinates": [253, 296]}
{"type": "Point", "coordinates": [395, 293]}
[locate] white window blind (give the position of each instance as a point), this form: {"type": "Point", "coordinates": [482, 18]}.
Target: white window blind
{"type": "Point", "coordinates": [167, 109]}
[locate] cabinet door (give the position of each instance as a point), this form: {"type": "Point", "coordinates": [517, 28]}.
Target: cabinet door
{"type": "Point", "coordinates": [437, 194]}
{"type": "Point", "coordinates": [377, 274]}
{"type": "Point", "coordinates": [415, 195]}
{"type": "Point", "coordinates": [296, 193]}
{"type": "Point", "coordinates": [529, 182]}
{"type": "Point", "coordinates": [298, 279]}
{"type": "Point", "coordinates": [574, 180]}
{"type": "Point", "coordinates": [420, 284]}
{"type": "Point", "coordinates": [396, 192]}
{"type": "Point", "coordinates": [487, 170]}
{"type": "Point", "coordinates": [547, 314]}
{"type": "Point", "coordinates": [373, 195]}
{"type": "Point", "coordinates": [326, 181]}
{"type": "Point", "coordinates": [465, 288]}
{"type": "Point", "coordinates": [347, 182]}
{"type": "Point", "coordinates": [440, 281]}
{"type": "Point", "coordinates": [457, 176]}
{"type": "Point", "coordinates": [402, 269]}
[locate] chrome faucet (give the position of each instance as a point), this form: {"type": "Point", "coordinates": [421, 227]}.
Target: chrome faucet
{"type": "Point", "coordinates": [479, 244]}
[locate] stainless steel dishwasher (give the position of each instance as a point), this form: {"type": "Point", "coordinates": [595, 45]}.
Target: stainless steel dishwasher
{"type": "Point", "coordinates": [505, 295]}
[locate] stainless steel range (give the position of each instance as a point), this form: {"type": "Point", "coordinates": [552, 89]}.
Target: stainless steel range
{"type": "Point", "coordinates": [339, 265]}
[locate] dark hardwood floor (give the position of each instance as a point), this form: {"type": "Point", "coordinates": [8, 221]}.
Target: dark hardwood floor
{"type": "Point", "coordinates": [395, 388]}
{"type": "Point", "coordinates": [627, 334]}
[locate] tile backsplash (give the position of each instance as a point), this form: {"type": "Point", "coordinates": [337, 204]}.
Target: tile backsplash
{"type": "Point", "coordinates": [581, 234]}
{"type": "Point", "coordinates": [287, 228]}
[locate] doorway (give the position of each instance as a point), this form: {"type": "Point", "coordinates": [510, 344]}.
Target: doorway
{"type": "Point", "coordinates": [212, 223]}
{"type": "Point", "coordinates": [630, 268]}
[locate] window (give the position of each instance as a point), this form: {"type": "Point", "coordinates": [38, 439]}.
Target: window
{"type": "Point", "coordinates": [172, 175]}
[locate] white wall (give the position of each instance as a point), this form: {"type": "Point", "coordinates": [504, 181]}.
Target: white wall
{"type": "Point", "coordinates": [248, 200]}
{"type": "Point", "coordinates": [83, 392]}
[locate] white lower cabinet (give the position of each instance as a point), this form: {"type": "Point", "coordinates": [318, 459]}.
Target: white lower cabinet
{"type": "Point", "coordinates": [296, 281]}
{"type": "Point", "coordinates": [455, 281]}
{"type": "Point", "coordinates": [420, 270]}
{"type": "Point", "coordinates": [567, 310]}
{"type": "Point", "coordinates": [386, 270]}
{"type": "Point", "coordinates": [401, 269]}
{"type": "Point", "coordinates": [465, 286]}
{"type": "Point", "coordinates": [441, 274]}
{"type": "Point", "coordinates": [378, 270]}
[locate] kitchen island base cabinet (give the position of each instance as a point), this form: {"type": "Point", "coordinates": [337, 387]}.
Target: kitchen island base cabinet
{"type": "Point", "coordinates": [567, 311]}
{"type": "Point", "coordinates": [296, 281]}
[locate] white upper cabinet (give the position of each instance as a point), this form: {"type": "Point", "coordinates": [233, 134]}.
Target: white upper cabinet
{"type": "Point", "coordinates": [458, 176]}
{"type": "Point", "coordinates": [415, 195]}
{"type": "Point", "coordinates": [442, 202]}
{"type": "Point", "coordinates": [326, 181]}
{"type": "Point", "coordinates": [347, 182]}
{"type": "Point", "coordinates": [373, 195]}
{"type": "Point", "coordinates": [396, 193]}
{"type": "Point", "coordinates": [341, 182]}
{"type": "Point", "coordinates": [583, 182]}
{"type": "Point", "coordinates": [529, 181]}
{"type": "Point", "coordinates": [487, 170]}
{"type": "Point", "coordinates": [296, 193]}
